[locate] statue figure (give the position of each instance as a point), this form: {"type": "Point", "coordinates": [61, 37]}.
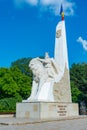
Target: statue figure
{"type": "Point", "coordinates": [44, 70]}
{"type": "Point", "coordinates": [49, 66]}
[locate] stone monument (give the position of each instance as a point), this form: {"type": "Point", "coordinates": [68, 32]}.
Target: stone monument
{"type": "Point", "coordinates": [51, 94]}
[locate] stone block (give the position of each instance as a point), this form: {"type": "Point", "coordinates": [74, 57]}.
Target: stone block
{"type": "Point", "coordinates": [46, 110]}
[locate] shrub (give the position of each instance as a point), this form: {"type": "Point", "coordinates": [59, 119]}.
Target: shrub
{"type": "Point", "coordinates": [9, 104]}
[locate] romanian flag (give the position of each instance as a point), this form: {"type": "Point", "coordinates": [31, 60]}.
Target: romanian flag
{"type": "Point", "coordinates": [62, 12]}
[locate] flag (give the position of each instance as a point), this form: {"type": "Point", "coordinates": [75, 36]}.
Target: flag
{"type": "Point", "coordinates": [62, 12]}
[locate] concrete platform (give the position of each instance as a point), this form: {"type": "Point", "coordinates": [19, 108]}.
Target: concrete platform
{"type": "Point", "coordinates": [46, 110]}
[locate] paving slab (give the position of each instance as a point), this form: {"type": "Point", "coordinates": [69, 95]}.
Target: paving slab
{"type": "Point", "coordinates": [74, 123]}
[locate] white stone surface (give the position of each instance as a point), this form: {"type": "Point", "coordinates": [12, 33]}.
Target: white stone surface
{"type": "Point", "coordinates": [45, 72]}
{"type": "Point", "coordinates": [60, 53]}
{"type": "Point", "coordinates": [48, 71]}
{"type": "Point", "coordinates": [46, 92]}
{"type": "Point", "coordinates": [51, 93]}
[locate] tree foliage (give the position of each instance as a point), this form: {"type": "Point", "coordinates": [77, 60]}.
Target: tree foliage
{"type": "Point", "coordinates": [23, 65]}
{"type": "Point", "coordinates": [15, 82]}
{"type": "Point", "coordinates": [8, 87]}
{"type": "Point", "coordinates": [78, 76]}
{"type": "Point", "coordinates": [9, 104]}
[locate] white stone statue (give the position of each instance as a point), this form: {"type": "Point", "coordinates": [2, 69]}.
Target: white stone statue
{"type": "Point", "coordinates": [51, 81]}
{"type": "Point", "coordinates": [44, 73]}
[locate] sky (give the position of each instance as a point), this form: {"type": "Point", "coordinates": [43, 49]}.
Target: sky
{"type": "Point", "coordinates": [27, 29]}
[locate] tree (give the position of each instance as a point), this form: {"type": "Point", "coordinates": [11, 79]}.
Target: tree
{"type": "Point", "coordinates": [13, 82]}
{"type": "Point", "coordinates": [76, 93]}
{"type": "Point", "coordinates": [23, 65]}
{"type": "Point", "coordinates": [24, 79]}
{"type": "Point", "coordinates": [78, 76]}
{"type": "Point", "coordinates": [23, 82]}
{"type": "Point", "coordinates": [8, 87]}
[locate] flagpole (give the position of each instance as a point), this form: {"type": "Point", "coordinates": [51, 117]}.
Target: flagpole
{"type": "Point", "coordinates": [62, 12]}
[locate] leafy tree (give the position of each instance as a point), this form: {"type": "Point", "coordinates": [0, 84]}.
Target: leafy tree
{"type": "Point", "coordinates": [8, 87]}
{"type": "Point", "coordinates": [76, 93]}
{"type": "Point", "coordinates": [23, 82]}
{"type": "Point", "coordinates": [78, 76]}
{"type": "Point", "coordinates": [14, 82]}
{"type": "Point", "coordinates": [9, 104]}
{"type": "Point", "coordinates": [22, 75]}
{"type": "Point", "coordinates": [23, 65]}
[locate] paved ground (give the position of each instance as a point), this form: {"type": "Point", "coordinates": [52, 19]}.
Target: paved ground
{"type": "Point", "coordinates": [24, 124]}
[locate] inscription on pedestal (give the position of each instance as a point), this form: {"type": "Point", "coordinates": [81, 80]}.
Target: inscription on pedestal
{"type": "Point", "coordinates": [62, 110]}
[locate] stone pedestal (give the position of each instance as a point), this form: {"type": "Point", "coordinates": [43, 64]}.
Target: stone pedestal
{"type": "Point", "coordinates": [46, 110]}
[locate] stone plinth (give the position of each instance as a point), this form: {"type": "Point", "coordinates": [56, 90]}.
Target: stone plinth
{"type": "Point", "coordinates": [46, 110]}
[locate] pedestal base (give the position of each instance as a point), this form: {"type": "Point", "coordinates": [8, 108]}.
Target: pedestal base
{"type": "Point", "coordinates": [46, 110]}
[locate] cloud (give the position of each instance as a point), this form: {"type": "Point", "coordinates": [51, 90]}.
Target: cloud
{"type": "Point", "coordinates": [21, 3]}
{"type": "Point", "coordinates": [52, 6]}
{"type": "Point", "coordinates": [83, 42]}
{"type": "Point", "coordinates": [32, 2]}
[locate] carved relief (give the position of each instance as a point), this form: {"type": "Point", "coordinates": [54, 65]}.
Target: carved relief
{"type": "Point", "coordinates": [58, 34]}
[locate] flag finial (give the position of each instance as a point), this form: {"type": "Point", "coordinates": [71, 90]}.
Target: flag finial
{"type": "Point", "coordinates": [62, 12]}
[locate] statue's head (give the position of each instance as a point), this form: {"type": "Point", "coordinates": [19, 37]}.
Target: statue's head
{"type": "Point", "coordinates": [36, 66]}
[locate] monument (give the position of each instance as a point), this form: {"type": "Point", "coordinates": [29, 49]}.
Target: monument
{"type": "Point", "coordinates": [51, 93]}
